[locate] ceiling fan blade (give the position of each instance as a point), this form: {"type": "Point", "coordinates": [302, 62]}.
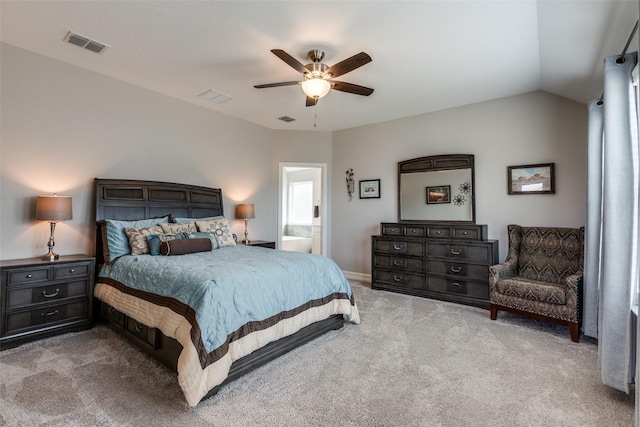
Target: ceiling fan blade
{"type": "Point", "coordinates": [293, 62]}
{"type": "Point", "coordinates": [351, 88]}
{"type": "Point", "coordinates": [311, 101]}
{"type": "Point", "coordinates": [276, 84]}
{"type": "Point", "coordinates": [349, 64]}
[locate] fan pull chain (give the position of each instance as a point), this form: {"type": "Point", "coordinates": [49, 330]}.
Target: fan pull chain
{"type": "Point", "coordinates": [315, 114]}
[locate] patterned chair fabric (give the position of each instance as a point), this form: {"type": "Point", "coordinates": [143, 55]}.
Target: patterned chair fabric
{"type": "Point", "coordinates": [542, 275]}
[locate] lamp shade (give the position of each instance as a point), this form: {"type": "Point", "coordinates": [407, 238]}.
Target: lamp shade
{"type": "Point", "coordinates": [245, 211]}
{"type": "Point", "coordinates": [316, 87]}
{"type": "Point", "coordinates": [54, 208]}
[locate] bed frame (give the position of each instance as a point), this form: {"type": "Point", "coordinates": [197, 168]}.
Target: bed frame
{"type": "Point", "coordinates": [132, 199]}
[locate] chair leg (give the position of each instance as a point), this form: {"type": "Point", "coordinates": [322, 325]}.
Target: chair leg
{"type": "Point", "coordinates": [574, 329]}
{"type": "Point", "coordinates": [493, 310]}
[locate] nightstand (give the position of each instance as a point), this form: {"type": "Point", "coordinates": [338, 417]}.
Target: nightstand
{"type": "Point", "coordinates": [261, 243]}
{"type": "Point", "coordinates": [40, 298]}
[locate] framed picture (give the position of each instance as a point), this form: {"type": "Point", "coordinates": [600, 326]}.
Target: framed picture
{"type": "Point", "coordinates": [370, 189]}
{"type": "Point", "coordinates": [439, 194]}
{"type": "Point", "coordinates": [531, 179]}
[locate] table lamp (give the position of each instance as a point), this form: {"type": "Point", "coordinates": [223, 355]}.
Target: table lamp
{"type": "Point", "coordinates": [53, 209]}
{"type": "Point", "coordinates": [245, 211]}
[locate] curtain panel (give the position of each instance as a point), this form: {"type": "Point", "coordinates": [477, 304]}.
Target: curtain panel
{"type": "Point", "coordinates": [611, 248]}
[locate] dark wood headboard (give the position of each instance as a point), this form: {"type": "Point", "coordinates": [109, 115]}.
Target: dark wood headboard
{"type": "Point", "coordinates": [126, 199]}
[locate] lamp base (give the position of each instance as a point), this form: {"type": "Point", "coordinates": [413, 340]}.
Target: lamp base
{"type": "Point", "coordinates": [246, 241]}
{"type": "Point", "coordinates": [50, 257]}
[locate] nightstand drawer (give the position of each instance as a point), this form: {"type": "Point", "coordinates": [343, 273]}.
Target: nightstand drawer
{"type": "Point", "coordinates": [23, 320]}
{"type": "Point", "coordinates": [24, 296]}
{"type": "Point", "coordinates": [21, 276]}
{"type": "Point", "coordinates": [71, 270]}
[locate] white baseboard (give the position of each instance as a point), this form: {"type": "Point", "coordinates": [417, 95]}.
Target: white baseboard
{"type": "Point", "coordinates": [360, 277]}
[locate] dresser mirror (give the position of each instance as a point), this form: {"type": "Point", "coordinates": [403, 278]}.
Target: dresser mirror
{"type": "Point", "coordinates": [437, 188]}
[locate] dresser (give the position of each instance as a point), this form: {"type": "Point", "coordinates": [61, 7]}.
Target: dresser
{"type": "Point", "coordinates": [42, 298]}
{"type": "Point", "coordinates": [260, 243]}
{"type": "Point", "coordinates": [445, 261]}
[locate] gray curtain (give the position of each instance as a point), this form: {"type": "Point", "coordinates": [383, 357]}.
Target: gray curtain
{"type": "Point", "coordinates": [611, 252]}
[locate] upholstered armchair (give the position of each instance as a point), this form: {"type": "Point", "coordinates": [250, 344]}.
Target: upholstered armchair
{"type": "Point", "coordinates": [541, 277]}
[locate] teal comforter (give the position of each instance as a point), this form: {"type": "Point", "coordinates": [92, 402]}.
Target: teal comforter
{"type": "Point", "coordinates": [232, 286]}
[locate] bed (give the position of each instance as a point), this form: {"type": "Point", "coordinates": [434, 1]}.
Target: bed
{"type": "Point", "coordinates": [216, 310]}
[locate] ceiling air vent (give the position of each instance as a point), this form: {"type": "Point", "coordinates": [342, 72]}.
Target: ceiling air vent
{"type": "Point", "coordinates": [85, 42]}
{"type": "Point", "coordinates": [287, 119]}
{"type": "Point", "coordinates": [215, 96]}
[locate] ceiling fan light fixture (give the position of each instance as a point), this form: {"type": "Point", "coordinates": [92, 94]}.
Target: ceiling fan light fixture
{"type": "Point", "coordinates": [316, 87]}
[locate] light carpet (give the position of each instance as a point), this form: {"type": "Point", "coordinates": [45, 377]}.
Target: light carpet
{"type": "Point", "coordinates": [412, 362]}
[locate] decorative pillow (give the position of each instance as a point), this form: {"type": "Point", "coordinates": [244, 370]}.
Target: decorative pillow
{"type": "Point", "coordinates": [138, 238]}
{"type": "Point", "coordinates": [180, 220]}
{"type": "Point", "coordinates": [115, 242]}
{"type": "Point", "coordinates": [185, 246]}
{"type": "Point", "coordinates": [184, 227]}
{"type": "Point", "coordinates": [219, 227]}
{"type": "Point", "coordinates": [202, 235]}
{"type": "Point", "coordinates": [155, 240]}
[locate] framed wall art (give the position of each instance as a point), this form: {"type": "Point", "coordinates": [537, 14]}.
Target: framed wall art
{"type": "Point", "coordinates": [439, 194]}
{"type": "Point", "coordinates": [531, 179]}
{"type": "Point", "coordinates": [370, 189]}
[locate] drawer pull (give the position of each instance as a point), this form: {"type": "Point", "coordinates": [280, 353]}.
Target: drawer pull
{"type": "Point", "coordinates": [72, 270]}
{"type": "Point", "coordinates": [29, 276]}
{"type": "Point", "coordinates": [438, 232]}
{"type": "Point", "coordinates": [413, 231]}
{"type": "Point", "coordinates": [397, 247]}
{"type": "Point", "coordinates": [456, 284]}
{"type": "Point", "coordinates": [111, 309]}
{"type": "Point", "coordinates": [51, 313]}
{"type": "Point", "coordinates": [456, 251]}
{"type": "Point", "coordinates": [138, 327]}
{"type": "Point", "coordinates": [396, 262]}
{"type": "Point", "coordinates": [397, 278]}
{"type": "Point", "coordinates": [456, 269]}
{"type": "Point", "coordinates": [55, 294]}
{"type": "Point", "coordinates": [465, 233]}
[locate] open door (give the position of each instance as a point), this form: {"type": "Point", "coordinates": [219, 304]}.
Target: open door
{"type": "Point", "coordinates": [301, 213]}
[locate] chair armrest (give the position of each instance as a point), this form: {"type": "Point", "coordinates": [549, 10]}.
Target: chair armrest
{"type": "Point", "coordinates": [502, 271]}
{"type": "Point", "coordinates": [574, 282]}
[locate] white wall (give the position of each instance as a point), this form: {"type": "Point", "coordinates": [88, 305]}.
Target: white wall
{"type": "Point", "coordinates": [526, 129]}
{"type": "Point", "coordinates": [63, 126]}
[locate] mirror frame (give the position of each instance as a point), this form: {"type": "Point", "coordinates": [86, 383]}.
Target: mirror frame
{"type": "Point", "coordinates": [438, 163]}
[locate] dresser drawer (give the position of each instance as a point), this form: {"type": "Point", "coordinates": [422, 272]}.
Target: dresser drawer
{"type": "Point", "coordinates": [19, 276]}
{"type": "Point", "coordinates": [439, 232]}
{"type": "Point", "coordinates": [467, 233]}
{"type": "Point", "coordinates": [399, 263]}
{"type": "Point", "coordinates": [409, 280]}
{"type": "Point", "coordinates": [399, 247]}
{"type": "Point", "coordinates": [462, 287]}
{"type": "Point", "coordinates": [68, 271]}
{"type": "Point", "coordinates": [414, 231]}
{"type": "Point", "coordinates": [469, 252]}
{"type": "Point", "coordinates": [391, 229]}
{"type": "Point", "coordinates": [458, 269]}
{"type": "Point", "coordinates": [24, 296]}
{"type": "Point", "coordinates": [29, 319]}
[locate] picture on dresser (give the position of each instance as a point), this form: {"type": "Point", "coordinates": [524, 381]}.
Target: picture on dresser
{"type": "Point", "coordinates": [370, 189]}
{"type": "Point", "coordinates": [439, 194]}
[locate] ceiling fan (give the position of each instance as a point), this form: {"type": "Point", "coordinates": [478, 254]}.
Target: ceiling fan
{"type": "Point", "coordinates": [318, 77]}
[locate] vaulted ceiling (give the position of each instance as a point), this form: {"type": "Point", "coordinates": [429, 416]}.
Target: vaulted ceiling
{"type": "Point", "coordinates": [427, 55]}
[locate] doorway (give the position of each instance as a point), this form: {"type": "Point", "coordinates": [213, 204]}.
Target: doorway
{"type": "Point", "coordinates": [301, 207]}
